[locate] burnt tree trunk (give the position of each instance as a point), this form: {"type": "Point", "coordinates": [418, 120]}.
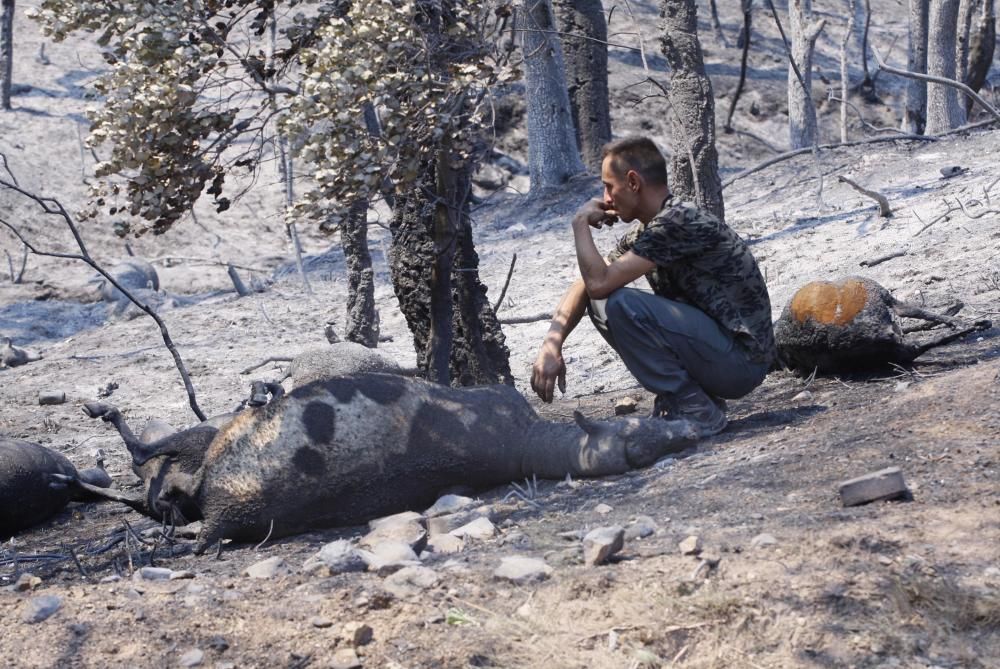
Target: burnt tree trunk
{"type": "Point", "coordinates": [915, 104]}
{"type": "Point", "coordinates": [477, 353]}
{"type": "Point", "coordinates": [553, 156]}
{"type": "Point", "coordinates": [586, 63]}
{"type": "Point", "coordinates": [982, 44]}
{"type": "Point", "coordinates": [362, 321]}
{"type": "Point", "coordinates": [966, 16]}
{"type": "Point", "coordinates": [943, 109]}
{"type": "Point", "coordinates": [6, 52]}
{"type": "Point", "coordinates": [801, 109]}
{"type": "Point", "coordinates": [694, 167]}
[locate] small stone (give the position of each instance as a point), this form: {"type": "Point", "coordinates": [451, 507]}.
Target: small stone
{"type": "Point", "coordinates": [270, 568]}
{"type": "Point", "coordinates": [152, 574]}
{"type": "Point", "coordinates": [40, 608]}
{"type": "Point", "coordinates": [320, 622]}
{"type": "Point", "coordinates": [358, 634]}
{"type": "Point", "coordinates": [218, 644]}
{"type": "Point", "coordinates": [25, 582]}
{"type": "Point", "coordinates": [691, 545]}
{"type": "Point", "coordinates": [522, 570]}
{"type": "Point", "coordinates": [804, 396]}
{"type": "Point", "coordinates": [404, 517]}
{"type": "Point", "coordinates": [445, 544]}
{"type": "Point", "coordinates": [444, 524]}
{"type": "Point", "coordinates": [449, 504]}
{"type": "Point", "coordinates": [47, 397]}
{"type": "Point", "coordinates": [625, 406]}
{"type": "Point", "coordinates": [345, 658]}
{"type": "Point", "coordinates": [410, 533]}
{"type": "Point", "coordinates": [951, 171]}
{"type": "Point", "coordinates": [572, 535]}
{"type": "Point", "coordinates": [192, 658]}
{"type": "Point", "coordinates": [762, 540]}
{"type": "Point", "coordinates": [389, 556]}
{"type": "Point", "coordinates": [601, 543]}
{"type": "Point", "coordinates": [642, 527]}
{"type": "Point", "coordinates": [884, 484]}
{"type": "Point", "coordinates": [480, 528]}
{"type": "Point", "coordinates": [411, 581]}
{"type": "Point", "coordinates": [337, 557]}
{"type": "Point", "coordinates": [181, 575]}
{"type": "Point", "coordinates": [603, 509]}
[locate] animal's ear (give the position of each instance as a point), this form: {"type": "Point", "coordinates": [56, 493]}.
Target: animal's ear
{"type": "Point", "coordinates": [587, 425]}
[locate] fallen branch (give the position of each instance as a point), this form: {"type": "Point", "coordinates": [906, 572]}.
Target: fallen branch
{"type": "Point", "coordinates": [798, 152]}
{"type": "Point", "coordinates": [938, 80]}
{"type": "Point", "coordinates": [513, 320]}
{"type": "Point", "coordinates": [951, 209]}
{"type": "Point", "coordinates": [273, 358]}
{"type": "Point", "coordinates": [52, 206]}
{"type": "Point", "coordinates": [881, 259]}
{"type": "Point", "coordinates": [884, 210]}
{"type": "Point", "coordinates": [503, 291]}
{"type": "Point", "coordinates": [241, 288]}
{"type": "Point", "coordinates": [166, 260]}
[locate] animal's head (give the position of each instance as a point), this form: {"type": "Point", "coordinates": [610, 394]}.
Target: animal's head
{"type": "Point", "coordinates": [644, 440]}
{"type": "Point", "coordinates": [175, 497]}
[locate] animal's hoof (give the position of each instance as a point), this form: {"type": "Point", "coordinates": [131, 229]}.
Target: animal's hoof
{"type": "Point", "coordinates": [98, 410]}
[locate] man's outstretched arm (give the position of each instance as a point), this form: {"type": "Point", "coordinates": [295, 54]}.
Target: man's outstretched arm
{"type": "Point", "coordinates": [549, 366]}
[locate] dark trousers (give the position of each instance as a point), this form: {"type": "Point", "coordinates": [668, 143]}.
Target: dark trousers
{"type": "Point", "coordinates": [668, 344]}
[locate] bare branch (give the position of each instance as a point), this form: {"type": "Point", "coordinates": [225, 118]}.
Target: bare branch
{"type": "Point", "coordinates": [503, 291]}
{"type": "Point", "coordinates": [938, 80]}
{"type": "Point", "coordinates": [54, 207]}
{"type": "Point", "coordinates": [884, 210]}
{"type": "Point", "coordinates": [513, 320]}
{"type": "Point", "coordinates": [881, 259]}
{"type": "Point", "coordinates": [798, 152]}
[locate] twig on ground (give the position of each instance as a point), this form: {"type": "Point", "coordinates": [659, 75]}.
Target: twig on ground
{"type": "Point", "coordinates": [234, 276]}
{"type": "Point", "coordinates": [16, 278]}
{"type": "Point", "coordinates": [273, 358]}
{"type": "Point", "coordinates": [951, 210]}
{"type": "Point", "coordinates": [938, 80]}
{"type": "Point", "coordinates": [881, 259]}
{"type": "Point", "coordinates": [506, 284]}
{"type": "Point", "coordinates": [83, 572]}
{"type": "Point", "coordinates": [884, 210]}
{"type": "Point", "coordinates": [265, 540]}
{"type": "Point", "coordinates": [513, 320]}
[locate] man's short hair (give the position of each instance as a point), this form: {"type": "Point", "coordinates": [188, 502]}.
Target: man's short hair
{"type": "Point", "coordinates": [639, 154]}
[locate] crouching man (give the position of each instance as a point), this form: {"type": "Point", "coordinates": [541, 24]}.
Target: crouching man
{"type": "Point", "coordinates": [703, 334]}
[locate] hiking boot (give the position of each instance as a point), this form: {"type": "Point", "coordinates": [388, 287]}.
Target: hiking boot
{"type": "Point", "coordinates": [694, 405]}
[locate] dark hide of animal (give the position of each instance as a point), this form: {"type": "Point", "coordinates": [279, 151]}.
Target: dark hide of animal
{"type": "Point", "coordinates": [345, 450]}
{"type": "Point", "coordinates": [854, 324]}
{"type": "Point", "coordinates": [30, 487]}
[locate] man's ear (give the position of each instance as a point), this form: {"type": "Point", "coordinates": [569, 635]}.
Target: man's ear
{"type": "Point", "coordinates": [634, 181]}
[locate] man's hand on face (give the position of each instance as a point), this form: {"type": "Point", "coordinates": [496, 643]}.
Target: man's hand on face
{"type": "Point", "coordinates": [547, 370]}
{"type": "Point", "coordinates": [596, 213]}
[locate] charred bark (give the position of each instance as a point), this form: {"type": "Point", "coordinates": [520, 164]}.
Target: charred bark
{"type": "Point", "coordinates": [982, 44]}
{"type": "Point", "coordinates": [586, 63]}
{"type": "Point", "coordinates": [362, 321]}
{"type": "Point", "coordinates": [460, 316]}
{"type": "Point", "coordinates": [694, 167]}
{"type": "Point", "coordinates": [6, 52]}
{"type": "Point", "coordinates": [915, 105]}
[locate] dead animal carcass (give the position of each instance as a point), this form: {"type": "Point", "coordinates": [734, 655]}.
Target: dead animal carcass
{"type": "Point", "coordinates": [31, 488]}
{"type": "Point", "coordinates": [854, 324]}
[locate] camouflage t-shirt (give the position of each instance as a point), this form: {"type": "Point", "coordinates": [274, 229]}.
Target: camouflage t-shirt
{"type": "Point", "coordinates": [703, 262]}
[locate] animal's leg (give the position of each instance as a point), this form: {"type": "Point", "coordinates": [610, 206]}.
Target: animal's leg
{"type": "Point", "coordinates": [84, 491]}
{"type": "Point", "coordinates": [139, 451]}
{"type": "Point", "coordinates": [913, 311]}
{"type": "Point", "coordinates": [915, 350]}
